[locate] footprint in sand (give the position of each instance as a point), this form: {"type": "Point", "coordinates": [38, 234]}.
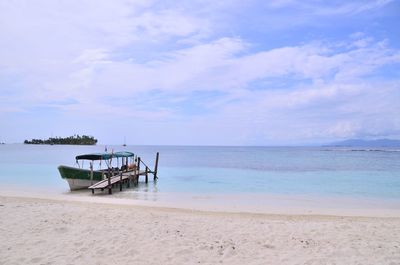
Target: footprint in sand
{"type": "Point", "coordinates": [61, 229]}
{"type": "Point", "coordinates": [36, 260]}
{"type": "Point", "coordinates": [78, 244]}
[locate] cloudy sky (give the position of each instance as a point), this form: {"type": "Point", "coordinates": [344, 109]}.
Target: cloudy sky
{"type": "Point", "coordinates": [279, 72]}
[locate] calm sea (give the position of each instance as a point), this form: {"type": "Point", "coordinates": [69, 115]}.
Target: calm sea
{"type": "Point", "coordinates": [310, 171]}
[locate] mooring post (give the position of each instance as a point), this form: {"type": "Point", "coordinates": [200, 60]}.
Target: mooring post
{"type": "Point", "coordinates": [120, 181]}
{"type": "Point", "coordinates": [91, 173]}
{"type": "Point", "coordinates": [156, 166]}
{"type": "Point", "coordinates": [134, 176]}
{"type": "Point", "coordinates": [147, 174]}
{"type": "Point", "coordinates": [109, 181]}
{"type": "Point", "coordinates": [128, 183]}
{"type": "Point", "coordinates": [138, 164]}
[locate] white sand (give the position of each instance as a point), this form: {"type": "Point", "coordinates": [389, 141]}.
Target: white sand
{"type": "Point", "coordinates": [44, 231]}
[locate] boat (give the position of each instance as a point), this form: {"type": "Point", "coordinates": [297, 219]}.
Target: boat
{"type": "Point", "coordinates": [81, 178]}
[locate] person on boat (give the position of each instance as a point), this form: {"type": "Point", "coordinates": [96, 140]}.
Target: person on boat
{"type": "Point", "coordinates": [132, 166]}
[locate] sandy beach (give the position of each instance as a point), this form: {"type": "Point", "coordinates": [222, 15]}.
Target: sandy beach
{"type": "Point", "coordinates": [45, 231]}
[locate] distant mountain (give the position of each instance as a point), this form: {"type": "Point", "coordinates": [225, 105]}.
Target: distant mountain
{"type": "Point", "coordinates": [367, 143]}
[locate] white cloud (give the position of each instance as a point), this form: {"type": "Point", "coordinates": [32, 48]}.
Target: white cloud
{"type": "Point", "coordinates": [115, 58]}
{"type": "Point", "coordinates": [170, 23]}
{"type": "Point", "coordinates": [322, 8]}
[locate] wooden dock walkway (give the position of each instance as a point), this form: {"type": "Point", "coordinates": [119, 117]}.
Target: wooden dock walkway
{"type": "Point", "coordinates": [126, 177]}
{"type": "Point", "coordinates": [120, 179]}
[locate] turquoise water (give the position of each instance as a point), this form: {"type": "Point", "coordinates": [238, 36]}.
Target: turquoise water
{"type": "Point", "coordinates": [224, 170]}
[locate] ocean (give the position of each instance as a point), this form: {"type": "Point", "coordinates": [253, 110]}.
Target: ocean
{"type": "Point", "coordinates": [311, 172]}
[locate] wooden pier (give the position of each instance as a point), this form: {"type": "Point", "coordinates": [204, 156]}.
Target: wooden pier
{"type": "Point", "coordinates": [126, 177]}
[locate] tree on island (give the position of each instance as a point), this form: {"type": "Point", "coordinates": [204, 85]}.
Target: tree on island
{"type": "Point", "coordinates": [72, 140]}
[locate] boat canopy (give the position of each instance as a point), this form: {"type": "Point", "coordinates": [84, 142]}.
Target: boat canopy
{"type": "Point", "coordinates": [123, 154]}
{"type": "Point", "coordinates": [104, 156]}
{"type": "Point", "coordinates": [95, 156]}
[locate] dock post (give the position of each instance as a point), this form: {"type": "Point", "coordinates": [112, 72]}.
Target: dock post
{"type": "Point", "coordinates": [109, 182]}
{"type": "Point", "coordinates": [91, 173]}
{"type": "Point", "coordinates": [134, 176]}
{"type": "Point", "coordinates": [156, 166]}
{"type": "Point", "coordinates": [138, 164]}
{"type": "Point", "coordinates": [147, 174]}
{"type": "Point", "coordinates": [120, 181]}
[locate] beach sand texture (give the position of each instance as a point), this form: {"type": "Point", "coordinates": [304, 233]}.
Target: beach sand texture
{"type": "Point", "coordinates": [38, 231]}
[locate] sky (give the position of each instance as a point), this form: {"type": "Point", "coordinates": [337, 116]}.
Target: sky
{"type": "Point", "coordinates": [278, 72]}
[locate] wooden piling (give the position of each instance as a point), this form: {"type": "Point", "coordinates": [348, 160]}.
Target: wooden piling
{"type": "Point", "coordinates": [156, 166]}
{"type": "Point", "coordinates": [91, 173]}
{"type": "Point", "coordinates": [147, 174]}
{"type": "Point", "coordinates": [109, 181]}
{"type": "Point", "coordinates": [120, 181]}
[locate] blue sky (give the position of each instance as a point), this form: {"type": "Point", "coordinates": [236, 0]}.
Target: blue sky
{"type": "Point", "coordinates": [280, 72]}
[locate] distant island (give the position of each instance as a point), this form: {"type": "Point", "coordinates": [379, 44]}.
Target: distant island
{"type": "Point", "coordinates": [367, 143]}
{"type": "Point", "coordinates": [71, 140]}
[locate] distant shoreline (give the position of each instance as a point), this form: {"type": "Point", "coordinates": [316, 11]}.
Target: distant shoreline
{"type": "Point", "coordinates": [71, 140]}
{"type": "Point", "coordinates": [55, 144]}
{"type": "Point", "coordinates": [378, 143]}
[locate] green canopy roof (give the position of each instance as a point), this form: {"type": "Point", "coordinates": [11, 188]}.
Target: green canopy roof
{"type": "Point", "coordinates": [103, 156]}
{"type": "Point", "coordinates": [123, 154]}
{"type": "Point", "coordinates": [95, 156]}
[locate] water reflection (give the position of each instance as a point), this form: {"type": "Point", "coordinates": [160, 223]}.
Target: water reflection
{"type": "Point", "coordinates": [141, 191]}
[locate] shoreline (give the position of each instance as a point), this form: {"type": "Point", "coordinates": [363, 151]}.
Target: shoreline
{"type": "Point", "coordinates": [238, 204]}
{"type": "Point", "coordinates": [140, 206]}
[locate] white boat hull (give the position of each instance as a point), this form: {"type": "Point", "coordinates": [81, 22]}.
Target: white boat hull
{"type": "Point", "coordinates": [77, 184]}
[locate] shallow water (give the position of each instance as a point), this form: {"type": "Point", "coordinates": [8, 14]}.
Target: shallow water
{"type": "Point", "coordinates": [302, 171]}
